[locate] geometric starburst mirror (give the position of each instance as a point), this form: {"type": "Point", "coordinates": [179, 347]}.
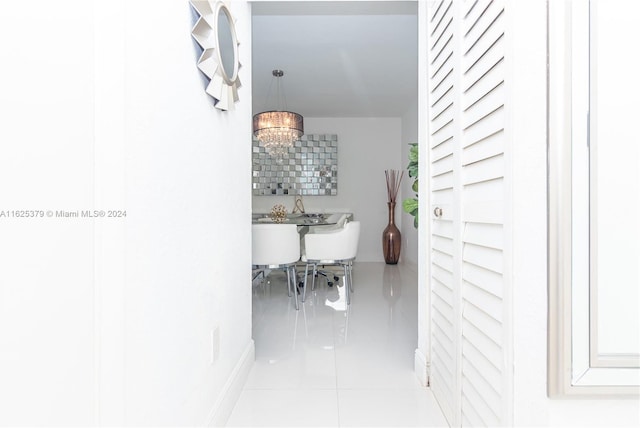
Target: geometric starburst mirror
{"type": "Point", "coordinates": [215, 33]}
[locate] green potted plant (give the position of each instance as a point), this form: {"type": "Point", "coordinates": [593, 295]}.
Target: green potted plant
{"type": "Point", "coordinates": [410, 205]}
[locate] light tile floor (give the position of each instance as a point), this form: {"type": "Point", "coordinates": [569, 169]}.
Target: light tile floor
{"type": "Point", "coordinates": [331, 366]}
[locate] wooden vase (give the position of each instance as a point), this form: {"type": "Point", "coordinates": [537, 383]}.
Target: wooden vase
{"type": "Point", "coordinates": [391, 238]}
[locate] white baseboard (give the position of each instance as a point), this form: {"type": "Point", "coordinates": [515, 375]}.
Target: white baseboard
{"type": "Point", "coordinates": [421, 367]}
{"type": "Point", "coordinates": [232, 388]}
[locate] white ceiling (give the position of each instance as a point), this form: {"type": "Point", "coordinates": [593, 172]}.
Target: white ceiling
{"type": "Point", "coordinates": [340, 59]}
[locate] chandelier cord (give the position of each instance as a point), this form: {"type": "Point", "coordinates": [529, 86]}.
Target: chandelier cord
{"type": "Point", "coordinates": [266, 101]}
{"type": "Point", "coordinates": [280, 90]}
{"type": "Point", "coordinates": [281, 98]}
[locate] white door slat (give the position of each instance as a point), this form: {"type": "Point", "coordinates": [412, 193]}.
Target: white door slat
{"type": "Point", "coordinates": [472, 13]}
{"type": "Point", "coordinates": [493, 59]}
{"type": "Point", "coordinates": [477, 192]}
{"type": "Point", "coordinates": [442, 244]}
{"type": "Point", "coordinates": [442, 294]}
{"type": "Point", "coordinates": [442, 134]}
{"type": "Point", "coordinates": [483, 33]}
{"type": "Point", "coordinates": [439, 362]}
{"type": "Point", "coordinates": [444, 340]}
{"type": "Point", "coordinates": [487, 258]}
{"type": "Point", "coordinates": [490, 397]}
{"type": "Point", "coordinates": [475, 90]}
{"type": "Point", "coordinates": [445, 283]}
{"type": "Point", "coordinates": [484, 310]}
{"type": "Point", "coordinates": [485, 346]}
{"type": "Point", "coordinates": [469, 417]}
{"type": "Point", "coordinates": [444, 115]}
{"type": "Point", "coordinates": [483, 313]}
{"type": "Point", "coordinates": [480, 108]}
{"type": "Point", "coordinates": [489, 281]}
{"type": "Point", "coordinates": [485, 235]}
{"type": "Point", "coordinates": [492, 123]}
{"type": "Point", "coordinates": [489, 372]}
{"type": "Point", "coordinates": [442, 166]}
{"type": "Point", "coordinates": [440, 320]}
{"type": "Point", "coordinates": [442, 228]}
{"type": "Point", "coordinates": [442, 197]}
{"type": "Point", "coordinates": [443, 181]}
{"type": "Point", "coordinates": [440, 86]}
{"type": "Point", "coordinates": [483, 212]}
{"type": "Point", "coordinates": [445, 261]}
{"type": "Point", "coordinates": [474, 400]}
{"type": "Point", "coordinates": [438, 14]}
{"type": "Point", "coordinates": [489, 98]}
{"type": "Point", "coordinates": [488, 169]}
{"type": "Point", "coordinates": [443, 306]}
{"type": "Point", "coordinates": [441, 147]}
{"type": "Point", "coordinates": [486, 122]}
{"type": "Point", "coordinates": [444, 395]}
{"type": "Point", "coordinates": [439, 70]}
{"type": "Point", "coordinates": [490, 146]}
{"type": "Point", "coordinates": [442, 43]}
{"type": "Point", "coordinates": [435, 10]}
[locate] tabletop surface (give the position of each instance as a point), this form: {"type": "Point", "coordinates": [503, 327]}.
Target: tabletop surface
{"type": "Point", "coordinates": [302, 219]}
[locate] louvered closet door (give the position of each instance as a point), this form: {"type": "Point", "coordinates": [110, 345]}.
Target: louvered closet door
{"type": "Point", "coordinates": [483, 172]}
{"type": "Point", "coordinates": [467, 168]}
{"type": "Point", "coordinates": [442, 87]}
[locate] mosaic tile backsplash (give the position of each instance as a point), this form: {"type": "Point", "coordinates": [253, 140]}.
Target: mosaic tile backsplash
{"type": "Point", "coordinates": [310, 168]}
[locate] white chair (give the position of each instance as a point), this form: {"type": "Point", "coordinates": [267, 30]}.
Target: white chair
{"type": "Point", "coordinates": [340, 220]}
{"type": "Point", "coordinates": [338, 247]}
{"type": "Point", "coordinates": [337, 221]}
{"type": "Point", "coordinates": [277, 246]}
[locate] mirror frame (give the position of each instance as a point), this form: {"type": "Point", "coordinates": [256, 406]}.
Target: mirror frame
{"type": "Point", "coordinates": [222, 87]}
{"type": "Point", "coordinates": [222, 8]}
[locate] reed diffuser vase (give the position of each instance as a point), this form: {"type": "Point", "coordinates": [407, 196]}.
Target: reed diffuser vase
{"type": "Point", "coordinates": [391, 237]}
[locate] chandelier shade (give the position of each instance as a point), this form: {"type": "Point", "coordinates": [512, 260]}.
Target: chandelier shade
{"type": "Point", "coordinates": [278, 129]}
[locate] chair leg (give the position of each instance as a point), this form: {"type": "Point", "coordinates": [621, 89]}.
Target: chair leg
{"type": "Point", "coordinates": [304, 287]}
{"type": "Point", "coordinates": [351, 276]}
{"type": "Point", "coordinates": [288, 282]}
{"type": "Point", "coordinates": [291, 276]}
{"type": "Point", "coordinates": [347, 283]}
{"type": "Point", "coordinates": [313, 279]}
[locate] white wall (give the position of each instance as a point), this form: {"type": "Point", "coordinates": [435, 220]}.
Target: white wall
{"type": "Point", "coordinates": [109, 321]}
{"type": "Point", "coordinates": [409, 232]}
{"type": "Point", "coordinates": [46, 294]}
{"type": "Point", "coordinates": [187, 247]}
{"type": "Point", "coordinates": [366, 147]}
{"type": "Point", "coordinates": [532, 407]}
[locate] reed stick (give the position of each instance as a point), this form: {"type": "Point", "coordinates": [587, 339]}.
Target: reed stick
{"type": "Point", "coordinates": [394, 178]}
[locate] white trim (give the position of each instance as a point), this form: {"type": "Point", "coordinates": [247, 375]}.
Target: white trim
{"type": "Point", "coordinates": [231, 390]}
{"type": "Point", "coordinates": [570, 373]}
{"type": "Point", "coordinates": [424, 229]}
{"type": "Point", "coordinates": [421, 367]}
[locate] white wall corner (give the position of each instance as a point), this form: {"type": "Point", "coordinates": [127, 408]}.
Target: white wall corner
{"type": "Point", "coordinates": [232, 388]}
{"type": "Point", "coordinates": [421, 367]}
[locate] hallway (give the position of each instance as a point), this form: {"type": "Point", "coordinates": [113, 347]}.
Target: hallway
{"type": "Point", "coordinates": [327, 366]}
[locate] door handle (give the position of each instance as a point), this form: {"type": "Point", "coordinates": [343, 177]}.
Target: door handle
{"type": "Point", "coordinates": [437, 212]}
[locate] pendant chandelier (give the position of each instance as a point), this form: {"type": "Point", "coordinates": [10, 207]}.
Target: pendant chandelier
{"type": "Point", "coordinates": [277, 130]}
